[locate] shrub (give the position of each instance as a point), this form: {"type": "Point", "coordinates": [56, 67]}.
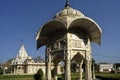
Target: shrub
{"type": "Point", "coordinates": [40, 72]}
{"type": "Point", "coordinates": [1, 71]}
{"type": "Point", "coordinates": [53, 72]}
{"type": "Point", "coordinates": [39, 75]}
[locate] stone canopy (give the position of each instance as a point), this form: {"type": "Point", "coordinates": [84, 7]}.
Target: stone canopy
{"type": "Point", "coordinates": [67, 38]}
{"type": "Point", "coordinates": [66, 19]}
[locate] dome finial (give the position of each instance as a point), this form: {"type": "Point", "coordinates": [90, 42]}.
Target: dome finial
{"type": "Point", "coordinates": [67, 4]}
{"type": "Point", "coordinates": [22, 40]}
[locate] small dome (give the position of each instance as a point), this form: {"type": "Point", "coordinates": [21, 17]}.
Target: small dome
{"type": "Point", "coordinates": [68, 11]}
{"type": "Point", "coordinates": [29, 57]}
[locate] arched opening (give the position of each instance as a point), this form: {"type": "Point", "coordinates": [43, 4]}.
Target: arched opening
{"type": "Point", "coordinates": [58, 66]}
{"type": "Point", "coordinates": [77, 64]}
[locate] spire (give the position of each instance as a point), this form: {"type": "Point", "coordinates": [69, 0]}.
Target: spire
{"type": "Point", "coordinates": [67, 4]}
{"type": "Point", "coordinates": [22, 52]}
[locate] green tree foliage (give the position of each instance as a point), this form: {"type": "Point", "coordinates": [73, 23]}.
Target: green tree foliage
{"type": "Point", "coordinates": [8, 65]}
{"type": "Point", "coordinates": [73, 66]}
{"type": "Point", "coordinates": [38, 59]}
{"type": "Point", "coordinates": [117, 65]}
{"type": "Point", "coordinates": [40, 72]}
{"type": "Point", "coordinates": [10, 61]}
{"type": "Point", "coordinates": [39, 75]}
{"type": "Point", "coordinates": [1, 71]}
{"type": "Point", "coordinates": [96, 67]}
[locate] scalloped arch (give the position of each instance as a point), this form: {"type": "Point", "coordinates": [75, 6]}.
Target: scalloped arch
{"type": "Point", "coordinates": [90, 26]}
{"type": "Point", "coordinates": [49, 27]}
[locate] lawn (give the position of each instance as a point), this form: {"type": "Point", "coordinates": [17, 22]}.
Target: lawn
{"type": "Point", "coordinates": [107, 76]}
{"type": "Point", "coordinates": [16, 77]}
{"type": "Point", "coordinates": [104, 76]}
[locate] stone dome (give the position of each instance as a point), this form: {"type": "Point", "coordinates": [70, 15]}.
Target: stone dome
{"type": "Point", "coordinates": [66, 19]}
{"type": "Point", "coordinates": [29, 57]}
{"type": "Point", "coordinates": [67, 11]}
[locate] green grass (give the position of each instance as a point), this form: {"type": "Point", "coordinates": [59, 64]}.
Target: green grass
{"type": "Point", "coordinates": [113, 76]}
{"type": "Point", "coordinates": [74, 76]}
{"type": "Point", "coordinates": [16, 77]}
{"type": "Point", "coordinates": [108, 75]}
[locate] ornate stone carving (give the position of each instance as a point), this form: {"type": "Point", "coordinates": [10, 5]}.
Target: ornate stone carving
{"type": "Point", "coordinates": [69, 34]}
{"type": "Point", "coordinates": [58, 46]}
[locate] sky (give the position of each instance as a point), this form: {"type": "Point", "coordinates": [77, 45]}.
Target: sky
{"type": "Point", "coordinates": [21, 19]}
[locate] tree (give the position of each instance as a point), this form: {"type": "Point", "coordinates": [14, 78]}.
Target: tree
{"type": "Point", "coordinates": [73, 66]}
{"type": "Point", "coordinates": [8, 65]}
{"type": "Point", "coordinates": [96, 67]}
{"type": "Point", "coordinates": [38, 59]}
{"type": "Point", "coordinates": [53, 72]}
{"type": "Point", "coordinates": [9, 61]}
{"type": "Point", "coordinates": [117, 65]}
{"type": "Point", "coordinates": [39, 75]}
{"type": "Point", "coordinates": [40, 72]}
{"type": "Point", "coordinates": [1, 71]}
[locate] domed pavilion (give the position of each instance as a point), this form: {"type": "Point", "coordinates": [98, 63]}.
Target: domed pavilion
{"type": "Point", "coordinates": [68, 37]}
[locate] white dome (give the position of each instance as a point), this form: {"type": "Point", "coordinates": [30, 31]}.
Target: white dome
{"type": "Point", "coordinates": [67, 11]}
{"type": "Point", "coordinates": [29, 57]}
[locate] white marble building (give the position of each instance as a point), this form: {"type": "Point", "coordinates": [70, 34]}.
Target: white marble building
{"type": "Point", "coordinates": [24, 64]}
{"type": "Point", "coordinates": [106, 67]}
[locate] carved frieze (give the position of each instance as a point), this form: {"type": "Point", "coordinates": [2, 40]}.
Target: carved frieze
{"type": "Point", "coordinates": [58, 46]}
{"type": "Point", "coordinates": [75, 42]}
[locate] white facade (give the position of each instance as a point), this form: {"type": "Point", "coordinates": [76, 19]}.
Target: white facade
{"type": "Point", "coordinates": [105, 67]}
{"type": "Point", "coordinates": [24, 64]}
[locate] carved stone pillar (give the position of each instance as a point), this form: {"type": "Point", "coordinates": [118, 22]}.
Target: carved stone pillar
{"type": "Point", "coordinates": [87, 73]}
{"type": "Point", "coordinates": [80, 70]}
{"type": "Point", "coordinates": [48, 66]}
{"type": "Point", "coordinates": [11, 69]}
{"type": "Point", "coordinates": [20, 70]}
{"type": "Point", "coordinates": [55, 73]}
{"type": "Point", "coordinates": [90, 71]}
{"type": "Point", "coordinates": [93, 71]}
{"type": "Point", "coordinates": [48, 71]}
{"type": "Point", "coordinates": [4, 70]}
{"type": "Point", "coordinates": [14, 69]}
{"type": "Point", "coordinates": [67, 70]}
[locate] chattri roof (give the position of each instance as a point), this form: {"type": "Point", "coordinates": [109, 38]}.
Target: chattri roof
{"type": "Point", "coordinates": [66, 19]}
{"type": "Point", "coordinates": [67, 11]}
